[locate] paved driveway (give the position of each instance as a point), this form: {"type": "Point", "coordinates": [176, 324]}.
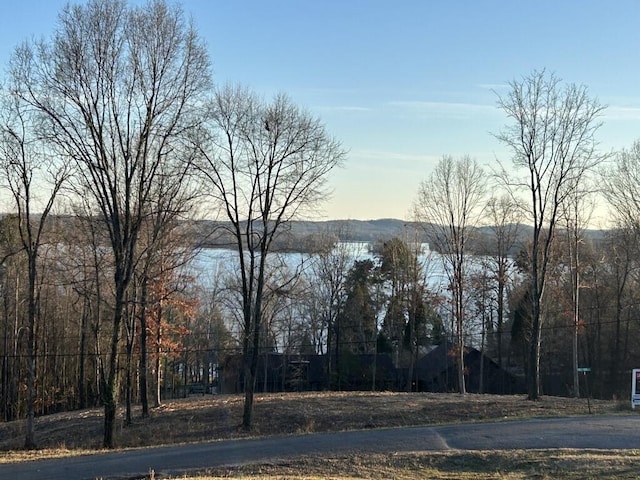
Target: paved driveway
{"type": "Point", "coordinates": [601, 432]}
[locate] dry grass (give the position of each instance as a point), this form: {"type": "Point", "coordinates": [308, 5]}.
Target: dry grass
{"type": "Point", "coordinates": [218, 417]}
{"type": "Point", "coordinates": [512, 465]}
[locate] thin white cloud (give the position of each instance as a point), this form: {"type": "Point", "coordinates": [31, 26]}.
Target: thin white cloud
{"type": "Point", "coordinates": [446, 109]}
{"type": "Point", "coordinates": [621, 113]}
{"type": "Point", "coordinates": [493, 86]}
{"type": "Point", "coordinates": [341, 108]}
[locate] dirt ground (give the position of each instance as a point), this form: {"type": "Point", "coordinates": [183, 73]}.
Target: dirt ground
{"type": "Point", "coordinates": [218, 417]}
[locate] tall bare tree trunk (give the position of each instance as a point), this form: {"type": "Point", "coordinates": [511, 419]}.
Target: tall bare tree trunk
{"type": "Point", "coordinates": [82, 360]}
{"type": "Point", "coordinates": [111, 385]}
{"type": "Point", "coordinates": [144, 368]}
{"type": "Point", "coordinates": [30, 441]}
{"type": "Point", "coordinates": [533, 373]}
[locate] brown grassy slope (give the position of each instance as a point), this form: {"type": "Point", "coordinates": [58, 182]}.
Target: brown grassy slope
{"type": "Point", "coordinates": [218, 417]}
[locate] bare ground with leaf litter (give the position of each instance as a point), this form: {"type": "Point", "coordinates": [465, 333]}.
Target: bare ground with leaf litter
{"type": "Point", "coordinates": [218, 417]}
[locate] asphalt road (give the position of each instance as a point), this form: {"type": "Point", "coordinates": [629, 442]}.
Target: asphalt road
{"type": "Point", "coordinates": [598, 432]}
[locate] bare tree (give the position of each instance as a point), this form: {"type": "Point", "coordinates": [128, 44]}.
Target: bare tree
{"type": "Point", "coordinates": [620, 283]}
{"type": "Point", "coordinates": [552, 139]}
{"type": "Point", "coordinates": [504, 216]}
{"type": "Point", "coordinates": [12, 270]}
{"type": "Point", "coordinates": [118, 88]}
{"type": "Point", "coordinates": [577, 214]}
{"type": "Point", "coordinates": [267, 162]}
{"type": "Point", "coordinates": [166, 244]}
{"type": "Point", "coordinates": [34, 178]}
{"type": "Point", "coordinates": [621, 188]}
{"type": "Point", "coordinates": [86, 267]}
{"type": "Point", "coordinates": [451, 202]}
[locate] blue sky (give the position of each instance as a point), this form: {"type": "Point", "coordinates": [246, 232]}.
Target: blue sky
{"type": "Point", "coordinates": [403, 83]}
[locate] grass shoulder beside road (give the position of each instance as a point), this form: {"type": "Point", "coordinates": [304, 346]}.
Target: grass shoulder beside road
{"type": "Point", "coordinates": [503, 465]}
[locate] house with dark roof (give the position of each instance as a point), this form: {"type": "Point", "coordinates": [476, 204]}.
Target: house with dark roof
{"type": "Point", "coordinates": [436, 372]}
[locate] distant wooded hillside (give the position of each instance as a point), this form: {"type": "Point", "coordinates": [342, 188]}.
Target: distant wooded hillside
{"type": "Point", "coordinates": [305, 235]}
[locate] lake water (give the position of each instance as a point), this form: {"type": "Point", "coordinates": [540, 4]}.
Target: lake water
{"type": "Point", "coordinates": [216, 263]}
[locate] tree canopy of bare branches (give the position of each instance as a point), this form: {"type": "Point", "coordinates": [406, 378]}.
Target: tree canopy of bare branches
{"type": "Point", "coordinates": [265, 164]}
{"type": "Point", "coordinates": [551, 135]}
{"type": "Point", "coordinates": [451, 202]}
{"type": "Point", "coordinates": [34, 179]}
{"type": "Point", "coordinates": [621, 186]}
{"type": "Point", "coordinates": [117, 89]}
{"type": "Point", "coordinates": [504, 215]}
